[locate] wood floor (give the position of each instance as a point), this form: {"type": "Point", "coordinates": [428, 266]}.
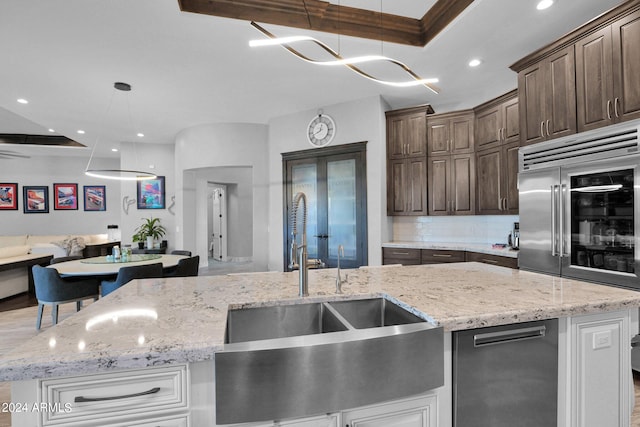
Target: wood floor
{"type": "Point", "coordinates": [17, 326]}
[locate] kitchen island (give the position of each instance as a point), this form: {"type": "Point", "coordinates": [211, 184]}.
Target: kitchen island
{"type": "Point", "coordinates": [153, 324]}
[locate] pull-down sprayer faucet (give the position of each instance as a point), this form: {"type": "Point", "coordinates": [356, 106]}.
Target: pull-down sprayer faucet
{"type": "Point", "coordinates": [298, 258]}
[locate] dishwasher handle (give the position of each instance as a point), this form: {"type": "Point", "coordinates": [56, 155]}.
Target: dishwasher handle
{"type": "Point", "coordinates": [509, 335]}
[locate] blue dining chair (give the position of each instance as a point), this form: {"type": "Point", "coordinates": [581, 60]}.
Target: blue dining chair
{"type": "Point", "coordinates": [186, 267]}
{"type": "Point", "coordinates": [127, 274]}
{"type": "Point", "coordinates": [51, 289]}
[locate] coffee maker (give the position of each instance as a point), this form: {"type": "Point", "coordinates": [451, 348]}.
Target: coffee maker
{"type": "Point", "coordinates": [514, 236]}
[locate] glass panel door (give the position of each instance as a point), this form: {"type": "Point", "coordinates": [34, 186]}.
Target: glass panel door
{"type": "Point", "coordinates": [341, 209]}
{"type": "Point", "coordinates": [602, 228]}
{"type": "Point", "coordinates": [334, 181]}
{"type": "Point", "coordinates": [304, 178]}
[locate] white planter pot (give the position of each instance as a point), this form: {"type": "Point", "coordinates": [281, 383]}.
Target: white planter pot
{"type": "Point", "coordinates": [149, 242]}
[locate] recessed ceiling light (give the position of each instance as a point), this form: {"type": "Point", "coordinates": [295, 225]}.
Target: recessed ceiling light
{"type": "Point", "coordinates": [80, 131]}
{"type": "Point", "coordinates": [22, 101]}
{"type": "Point", "coordinates": [474, 63]}
{"type": "Point", "coordinates": [114, 149]}
{"type": "Point", "coordinates": [544, 4]}
{"type": "Point", "coordinates": [51, 130]}
{"type": "Point", "coordinates": [140, 135]}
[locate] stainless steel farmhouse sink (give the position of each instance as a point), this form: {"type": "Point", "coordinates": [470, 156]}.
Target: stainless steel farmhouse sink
{"type": "Point", "coordinates": [287, 361]}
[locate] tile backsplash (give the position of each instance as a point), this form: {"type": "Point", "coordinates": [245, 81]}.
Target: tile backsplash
{"type": "Point", "coordinates": [469, 229]}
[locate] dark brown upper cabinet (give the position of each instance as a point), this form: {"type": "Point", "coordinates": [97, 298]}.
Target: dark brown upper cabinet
{"type": "Point", "coordinates": [607, 74]}
{"type": "Point", "coordinates": [407, 132]}
{"type": "Point", "coordinates": [450, 133]}
{"type": "Point", "coordinates": [587, 79]}
{"type": "Point", "coordinates": [497, 121]}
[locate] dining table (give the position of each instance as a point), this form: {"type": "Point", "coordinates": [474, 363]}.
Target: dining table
{"type": "Point", "coordinates": [108, 266]}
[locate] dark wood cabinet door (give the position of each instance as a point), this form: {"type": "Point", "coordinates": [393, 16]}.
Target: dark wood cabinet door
{"type": "Point", "coordinates": [488, 127]}
{"type": "Point", "coordinates": [462, 140]}
{"type": "Point", "coordinates": [438, 136]}
{"type": "Point", "coordinates": [560, 94]}
{"type": "Point", "coordinates": [462, 191]}
{"type": "Point", "coordinates": [510, 178]}
{"type": "Point", "coordinates": [395, 137]}
{"type": "Point", "coordinates": [439, 173]}
{"type": "Point", "coordinates": [626, 67]}
{"type": "Point", "coordinates": [511, 121]}
{"type": "Point", "coordinates": [396, 192]}
{"type": "Point", "coordinates": [594, 80]}
{"type": "Point", "coordinates": [416, 134]}
{"type": "Point", "coordinates": [417, 186]}
{"type": "Point", "coordinates": [531, 99]}
{"type": "Point", "coordinates": [489, 170]}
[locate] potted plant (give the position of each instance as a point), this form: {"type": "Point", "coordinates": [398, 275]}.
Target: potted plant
{"type": "Point", "coordinates": [149, 230]}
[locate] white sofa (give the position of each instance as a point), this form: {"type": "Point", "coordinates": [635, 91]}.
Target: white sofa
{"type": "Point", "coordinates": [19, 253]}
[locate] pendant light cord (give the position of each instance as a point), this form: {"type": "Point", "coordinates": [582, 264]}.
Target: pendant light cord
{"type": "Point", "coordinates": [104, 116]}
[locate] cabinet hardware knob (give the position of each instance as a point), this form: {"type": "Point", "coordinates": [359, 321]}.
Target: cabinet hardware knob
{"type": "Point", "coordinates": [609, 109]}
{"type": "Point", "coordinates": [79, 399]}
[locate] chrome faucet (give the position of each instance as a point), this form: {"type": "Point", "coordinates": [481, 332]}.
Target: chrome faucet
{"type": "Point", "coordinates": [298, 258]}
{"type": "Point", "coordinates": [339, 280]}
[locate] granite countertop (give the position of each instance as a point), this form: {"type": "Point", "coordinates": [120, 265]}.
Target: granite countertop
{"type": "Point", "coordinates": [483, 248]}
{"type": "Point", "coordinates": [155, 322]}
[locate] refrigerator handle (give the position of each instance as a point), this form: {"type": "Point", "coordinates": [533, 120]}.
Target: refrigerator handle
{"type": "Point", "coordinates": [561, 194]}
{"type": "Point", "coordinates": [554, 252]}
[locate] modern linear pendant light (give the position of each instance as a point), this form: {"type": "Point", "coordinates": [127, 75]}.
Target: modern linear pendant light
{"type": "Point", "coordinates": [117, 174]}
{"type": "Point", "coordinates": [286, 42]}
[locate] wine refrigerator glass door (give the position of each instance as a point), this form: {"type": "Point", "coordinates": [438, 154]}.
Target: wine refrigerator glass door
{"type": "Point", "coordinates": [600, 222]}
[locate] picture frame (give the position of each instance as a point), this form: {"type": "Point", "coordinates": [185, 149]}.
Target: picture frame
{"type": "Point", "coordinates": [151, 193]}
{"type": "Point", "coordinates": [36, 198]}
{"type": "Point", "coordinates": [8, 196]}
{"type": "Point", "coordinates": [65, 196]}
{"type": "Point", "coordinates": [95, 198]}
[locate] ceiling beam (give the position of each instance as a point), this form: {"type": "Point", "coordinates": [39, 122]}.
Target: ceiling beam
{"type": "Point", "coordinates": [318, 15]}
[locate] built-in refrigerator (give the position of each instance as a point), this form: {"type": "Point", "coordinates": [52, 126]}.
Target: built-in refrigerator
{"type": "Point", "coordinates": [579, 206]}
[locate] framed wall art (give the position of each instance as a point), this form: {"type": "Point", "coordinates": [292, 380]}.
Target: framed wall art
{"type": "Point", "coordinates": [151, 193]}
{"type": "Point", "coordinates": [95, 198]}
{"type": "Point", "coordinates": [8, 196]}
{"type": "Point", "coordinates": [65, 196]}
{"type": "Point", "coordinates": [36, 198]}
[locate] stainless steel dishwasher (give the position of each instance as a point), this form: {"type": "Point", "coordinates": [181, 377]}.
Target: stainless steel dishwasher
{"type": "Point", "coordinates": [506, 376]}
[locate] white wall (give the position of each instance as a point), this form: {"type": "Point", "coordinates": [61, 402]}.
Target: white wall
{"type": "Point", "coordinates": [139, 157]}
{"type": "Point", "coordinates": [212, 146]}
{"type": "Point", "coordinates": [47, 171]}
{"type": "Point", "coordinates": [361, 120]}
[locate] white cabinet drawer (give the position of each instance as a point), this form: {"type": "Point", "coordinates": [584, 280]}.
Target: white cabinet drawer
{"type": "Point", "coordinates": [113, 397]}
{"type": "Point", "coordinates": [175, 421]}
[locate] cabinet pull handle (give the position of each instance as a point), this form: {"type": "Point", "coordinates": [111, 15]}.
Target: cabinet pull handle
{"type": "Point", "coordinates": [489, 261]}
{"type": "Point", "coordinates": [609, 109]}
{"type": "Point", "coordinates": [441, 255]}
{"type": "Point", "coordinates": [548, 134]}
{"type": "Point", "coordinates": [400, 253]}
{"type": "Point", "coordinates": [79, 399]}
{"type": "Point", "coordinates": [615, 106]}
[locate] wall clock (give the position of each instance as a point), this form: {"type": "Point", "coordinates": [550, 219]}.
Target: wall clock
{"type": "Point", "coordinates": [321, 130]}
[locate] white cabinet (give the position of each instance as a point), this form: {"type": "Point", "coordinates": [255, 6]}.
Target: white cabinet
{"type": "Point", "coordinates": [599, 378]}
{"type": "Point", "coordinates": [413, 412]}
{"type": "Point", "coordinates": [329, 420]}
{"type": "Point", "coordinates": [128, 397]}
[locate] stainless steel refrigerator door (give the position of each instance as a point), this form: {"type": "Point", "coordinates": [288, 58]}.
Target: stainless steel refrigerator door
{"type": "Point", "coordinates": [539, 234]}
{"type": "Point", "coordinates": [572, 212]}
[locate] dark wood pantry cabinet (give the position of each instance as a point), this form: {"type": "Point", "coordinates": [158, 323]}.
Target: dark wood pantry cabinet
{"type": "Point", "coordinates": [497, 158]}
{"type": "Point", "coordinates": [407, 161]}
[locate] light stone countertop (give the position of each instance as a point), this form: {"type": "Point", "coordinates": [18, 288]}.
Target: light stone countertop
{"type": "Point", "coordinates": [483, 248]}
{"type": "Point", "coordinates": [155, 322]}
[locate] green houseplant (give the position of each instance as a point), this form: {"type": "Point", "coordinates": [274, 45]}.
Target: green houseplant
{"type": "Point", "coordinates": [149, 230]}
